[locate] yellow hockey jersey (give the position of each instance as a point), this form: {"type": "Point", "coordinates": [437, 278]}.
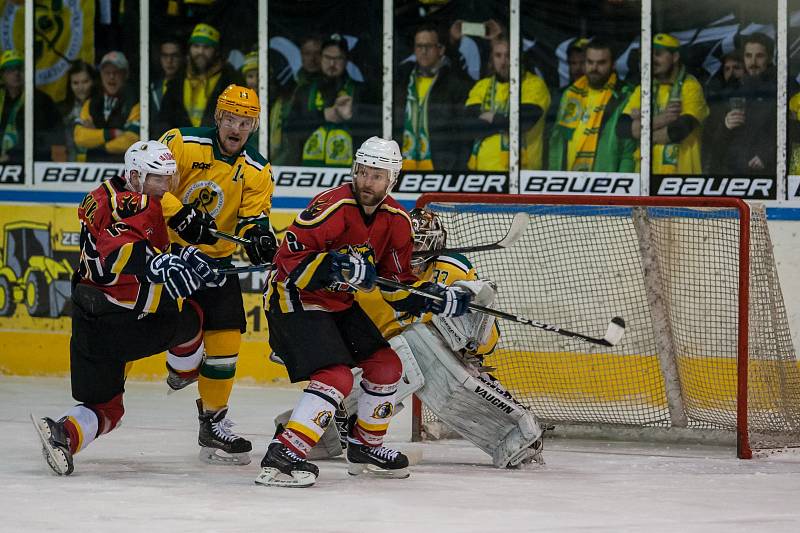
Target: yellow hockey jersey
{"type": "Point", "coordinates": [445, 269]}
{"type": "Point", "coordinates": [236, 191]}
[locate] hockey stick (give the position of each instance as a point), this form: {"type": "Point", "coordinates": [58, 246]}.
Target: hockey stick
{"type": "Point", "coordinates": [518, 226]}
{"type": "Point", "coordinates": [228, 236]}
{"type": "Point", "coordinates": [616, 328]}
{"type": "Point", "coordinates": [245, 269]}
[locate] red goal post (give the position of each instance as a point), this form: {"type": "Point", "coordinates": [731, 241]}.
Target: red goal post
{"type": "Point", "coordinates": [678, 270]}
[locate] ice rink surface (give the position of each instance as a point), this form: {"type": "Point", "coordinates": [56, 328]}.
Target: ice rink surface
{"type": "Point", "coordinates": [145, 477]}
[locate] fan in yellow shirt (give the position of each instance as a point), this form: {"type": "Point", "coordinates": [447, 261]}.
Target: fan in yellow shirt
{"type": "Point", "coordinates": [488, 107]}
{"type": "Point", "coordinates": [679, 109]}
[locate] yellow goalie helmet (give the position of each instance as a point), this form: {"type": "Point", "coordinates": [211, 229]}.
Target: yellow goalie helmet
{"type": "Point", "coordinates": [238, 100]}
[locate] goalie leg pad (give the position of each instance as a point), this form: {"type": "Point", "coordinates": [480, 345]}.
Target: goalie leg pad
{"type": "Point", "coordinates": [478, 408]}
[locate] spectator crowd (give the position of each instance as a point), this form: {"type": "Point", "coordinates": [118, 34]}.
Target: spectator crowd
{"type": "Point", "coordinates": [445, 117]}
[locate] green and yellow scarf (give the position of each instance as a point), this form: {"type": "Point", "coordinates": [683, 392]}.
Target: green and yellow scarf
{"type": "Point", "coordinates": [416, 137]}
{"type": "Point", "coordinates": [669, 156]}
{"type": "Point", "coordinates": [570, 117]}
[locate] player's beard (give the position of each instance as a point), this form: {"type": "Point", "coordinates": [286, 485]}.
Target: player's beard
{"type": "Point", "coordinates": [368, 197]}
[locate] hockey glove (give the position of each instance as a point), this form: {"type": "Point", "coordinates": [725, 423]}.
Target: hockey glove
{"type": "Point", "coordinates": [454, 302]}
{"type": "Point", "coordinates": [201, 264]}
{"type": "Point", "coordinates": [263, 245]}
{"type": "Point", "coordinates": [174, 273]}
{"type": "Point", "coordinates": [193, 226]}
{"type": "Point", "coordinates": [353, 270]}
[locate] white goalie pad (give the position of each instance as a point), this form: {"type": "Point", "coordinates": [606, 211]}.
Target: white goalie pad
{"type": "Point", "coordinates": [412, 380]}
{"type": "Point", "coordinates": [469, 331]}
{"type": "Point", "coordinates": [479, 409]}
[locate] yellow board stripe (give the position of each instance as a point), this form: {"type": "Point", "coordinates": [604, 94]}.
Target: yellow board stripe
{"type": "Point", "coordinates": [304, 430]}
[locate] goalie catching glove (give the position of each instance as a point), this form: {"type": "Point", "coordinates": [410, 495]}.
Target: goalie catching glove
{"type": "Point", "coordinates": [201, 264]}
{"type": "Point", "coordinates": [354, 270]}
{"type": "Point", "coordinates": [193, 226]}
{"type": "Point", "coordinates": [454, 300]}
{"type": "Point", "coordinates": [177, 276]}
{"type": "Point", "coordinates": [263, 245]}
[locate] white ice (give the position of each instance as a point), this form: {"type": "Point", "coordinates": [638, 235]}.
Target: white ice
{"type": "Point", "coordinates": [145, 477]}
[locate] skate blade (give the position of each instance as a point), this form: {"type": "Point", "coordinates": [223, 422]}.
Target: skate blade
{"type": "Point", "coordinates": [213, 456]}
{"type": "Point", "coordinates": [356, 469]}
{"type": "Point", "coordinates": [272, 477]}
{"type": "Point", "coordinates": [54, 457]}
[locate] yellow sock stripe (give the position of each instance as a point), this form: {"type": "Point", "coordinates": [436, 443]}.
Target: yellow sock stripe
{"type": "Point", "coordinates": [304, 430]}
{"type": "Point", "coordinates": [372, 427]}
{"type": "Point", "coordinates": [78, 427]}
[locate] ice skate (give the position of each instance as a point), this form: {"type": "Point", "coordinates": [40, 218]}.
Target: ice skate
{"type": "Point", "coordinates": [281, 467]}
{"type": "Point", "coordinates": [55, 444]}
{"type": "Point", "coordinates": [377, 460]}
{"type": "Point", "coordinates": [219, 445]}
{"type": "Point", "coordinates": [177, 379]}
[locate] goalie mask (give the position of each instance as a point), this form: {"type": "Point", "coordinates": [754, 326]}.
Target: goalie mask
{"type": "Point", "coordinates": [149, 158]}
{"type": "Point", "coordinates": [429, 234]}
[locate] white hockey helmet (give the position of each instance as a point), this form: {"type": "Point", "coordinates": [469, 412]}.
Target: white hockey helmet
{"type": "Point", "coordinates": [149, 157]}
{"type": "Point", "coordinates": [380, 153]}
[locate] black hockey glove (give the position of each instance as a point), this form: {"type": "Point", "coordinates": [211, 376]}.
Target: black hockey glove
{"type": "Point", "coordinates": [201, 264]}
{"type": "Point", "coordinates": [174, 273]}
{"type": "Point", "coordinates": [263, 245]}
{"type": "Point", "coordinates": [353, 270]}
{"type": "Point", "coordinates": [454, 301]}
{"type": "Point", "coordinates": [193, 226]}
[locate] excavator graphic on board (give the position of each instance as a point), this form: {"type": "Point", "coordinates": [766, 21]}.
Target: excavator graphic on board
{"type": "Point", "coordinates": [30, 274]}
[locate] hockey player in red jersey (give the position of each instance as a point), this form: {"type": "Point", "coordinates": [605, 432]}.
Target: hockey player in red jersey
{"type": "Point", "coordinates": [129, 298]}
{"type": "Point", "coordinates": [339, 244]}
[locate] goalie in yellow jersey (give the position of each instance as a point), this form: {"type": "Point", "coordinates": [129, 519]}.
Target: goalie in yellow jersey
{"type": "Point", "coordinates": [222, 176]}
{"type": "Point", "coordinates": [443, 361]}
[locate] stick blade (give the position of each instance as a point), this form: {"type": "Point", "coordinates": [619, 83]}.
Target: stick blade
{"type": "Point", "coordinates": [616, 330]}
{"type": "Point", "coordinates": [517, 229]}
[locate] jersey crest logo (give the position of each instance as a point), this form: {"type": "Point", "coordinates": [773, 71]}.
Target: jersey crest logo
{"type": "Point", "coordinates": [205, 196]}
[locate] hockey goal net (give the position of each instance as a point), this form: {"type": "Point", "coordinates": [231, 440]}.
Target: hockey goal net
{"type": "Point", "coordinates": [707, 343]}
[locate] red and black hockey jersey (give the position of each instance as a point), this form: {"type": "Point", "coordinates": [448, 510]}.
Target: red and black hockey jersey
{"type": "Point", "coordinates": [120, 231]}
{"type": "Point", "coordinates": [334, 221]}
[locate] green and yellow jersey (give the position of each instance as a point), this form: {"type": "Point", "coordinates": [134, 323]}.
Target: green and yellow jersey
{"type": "Point", "coordinates": [446, 269]}
{"type": "Point", "coordinates": [236, 191]}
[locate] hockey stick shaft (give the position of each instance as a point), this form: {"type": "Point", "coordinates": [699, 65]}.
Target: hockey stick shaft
{"type": "Point", "coordinates": [245, 269]}
{"type": "Point", "coordinates": [613, 336]}
{"type": "Point", "coordinates": [228, 236]}
{"type": "Point", "coordinates": [517, 228]}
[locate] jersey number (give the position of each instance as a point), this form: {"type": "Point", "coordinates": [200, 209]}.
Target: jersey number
{"type": "Point", "coordinates": [292, 242]}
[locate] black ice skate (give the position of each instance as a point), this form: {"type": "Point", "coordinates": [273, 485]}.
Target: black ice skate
{"type": "Point", "coordinates": [376, 460]}
{"type": "Point", "coordinates": [55, 444]}
{"type": "Point", "coordinates": [177, 380]}
{"type": "Point", "coordinates": [281, 467]}
{"type": "Point", "coordinates": [219, 445]}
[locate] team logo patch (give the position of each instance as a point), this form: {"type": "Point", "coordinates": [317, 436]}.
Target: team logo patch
{"type": "Point", "coordinates": [312, 211]}
{"type": "Point", "coordinates": [323, 419]}
{"type": "Point", "coordinates": [205, 196]}
{"type": "Point", "coordinates": [384, 410]}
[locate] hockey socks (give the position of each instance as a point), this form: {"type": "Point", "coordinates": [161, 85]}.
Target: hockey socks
{"type": "Point", "coordinates": [375, 410]}
{"type": "Point", "coordinates": [219, 367]}
{"type": "Point", "coordinates": [183, 363]}
{"type": "Point", "coordinates": [313, 414]}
